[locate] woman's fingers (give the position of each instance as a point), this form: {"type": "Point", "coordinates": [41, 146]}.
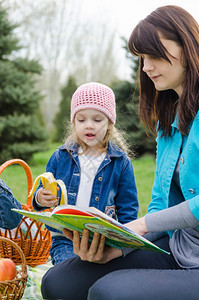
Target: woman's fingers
{"type": "Point", "coordinates": [81, 245]}
{"type": "Point", "coordinates": [83, 248]}
{"type": "Point", "coordinates": [84, 241]}
{"type": "Point", "coordinates": [76, 242]}
{"type": "Point", "coordinates": [68, 234]}
{"type": "Point", "coordinates": [94, 245]}
{"type": "Point", "coordinates": [96, 251]}
{"type": "Point", "coordinates": [101, 248]}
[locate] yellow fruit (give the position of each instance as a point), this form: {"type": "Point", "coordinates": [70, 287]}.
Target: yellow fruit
{"type": "Point", "coordinates": [49, 183]}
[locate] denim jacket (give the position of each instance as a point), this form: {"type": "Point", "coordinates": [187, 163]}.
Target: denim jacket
{"type": "Point", "coordinates": [114, 189]}
{"type": "Point", "coordinates": [113, 192]}
{"type": "Point", "coordinates": [8, 218]}
{"type": "Point", "coordinates": [169, 149]}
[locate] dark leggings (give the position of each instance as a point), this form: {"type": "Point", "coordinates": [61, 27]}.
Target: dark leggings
{"type": "Point", "coordinates": [73, 278]}
{"type": "Point", "coordinates": [148, 284]}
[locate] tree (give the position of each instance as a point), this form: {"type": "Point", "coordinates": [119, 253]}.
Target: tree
{"type": "Point", "coordinates": [63, 115]}
{"type": "Point", "coordinates": [66, 40]}
{"type": "Point", "coordinates": [127, 99]}
{"type": "Point", "coordinates": [20, 130]}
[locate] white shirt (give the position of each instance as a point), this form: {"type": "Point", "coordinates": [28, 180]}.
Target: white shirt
{"type": "Point", "coordinates": [89, 166]}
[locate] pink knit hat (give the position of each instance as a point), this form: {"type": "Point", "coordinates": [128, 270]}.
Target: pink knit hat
{"type": "Point", "coordinates": [94, 95]}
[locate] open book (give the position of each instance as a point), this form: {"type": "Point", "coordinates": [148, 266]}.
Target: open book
{"type": "Point", "coordinates": [76, 218]}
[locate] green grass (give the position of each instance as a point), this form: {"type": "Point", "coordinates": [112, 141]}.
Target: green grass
{"type": "Point", "coordinates": [15, 176]}
{"type": "Point", "coordinates": [144, 175]}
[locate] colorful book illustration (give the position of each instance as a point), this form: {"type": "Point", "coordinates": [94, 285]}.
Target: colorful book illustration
{"type": "Point", "coordinates": [76, 218]}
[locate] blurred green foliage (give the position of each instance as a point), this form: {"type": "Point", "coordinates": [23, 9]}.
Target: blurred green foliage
{"type": "Point", "coordinates": [63, 116]}
{"type": "Point", "coordinates": [21, 132]}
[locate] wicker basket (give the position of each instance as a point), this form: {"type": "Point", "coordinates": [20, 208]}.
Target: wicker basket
{"type": "Point", "coordinates": [30, 235]}
{"type": "Point", "coordinates": [13, 289]}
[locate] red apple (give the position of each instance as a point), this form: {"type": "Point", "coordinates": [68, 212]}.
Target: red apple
{"type": "Point", "coordinates": [8, 269]}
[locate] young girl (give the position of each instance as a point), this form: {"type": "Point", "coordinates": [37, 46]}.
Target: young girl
{"type": "Point", "coordinates": [95, 171]}
{"type": "Point", "coordinates": [167, 42]}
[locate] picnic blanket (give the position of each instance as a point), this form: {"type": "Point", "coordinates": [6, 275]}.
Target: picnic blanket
{"type": "Point", "coordinates": [33, 287]}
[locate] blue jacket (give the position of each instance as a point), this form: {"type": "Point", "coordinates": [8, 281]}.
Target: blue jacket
{"type": "Point", "coordinates": [164, 193]}
{"type": "Point", "coordinates": [113, 187]}
{"type": "Point", "coordinates": [8, 218]}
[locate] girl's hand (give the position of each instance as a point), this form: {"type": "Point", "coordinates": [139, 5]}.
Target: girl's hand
{"type": "Point", "coordinates": [45, 198]}
{"type": "Point", "coordinates": [96, 251]}
{"type": "Point", "coordinates": [138, 226]}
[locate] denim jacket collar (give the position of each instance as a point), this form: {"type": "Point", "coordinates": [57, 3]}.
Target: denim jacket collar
{"type": "Point", "coordinates": [113, 150]}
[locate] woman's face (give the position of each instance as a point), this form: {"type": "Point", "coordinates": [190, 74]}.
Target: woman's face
{"type": "Point", "coordinates": [166, 75]}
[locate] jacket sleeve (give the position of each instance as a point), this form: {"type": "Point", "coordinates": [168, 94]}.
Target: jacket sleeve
{"type": "Point", "coordinates": [172, 218]}
{"type": "Point", "coordinates": [8, 218]}
{"type": "Point", "coordinates": [126, 199]}
{"type": "Point", "coordinates": [194, 206]}
{"type": "Point", "coordinates": [157, 202]}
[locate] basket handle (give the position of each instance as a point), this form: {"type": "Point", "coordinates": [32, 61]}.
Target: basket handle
{"type": "Point", "coordinates": [23, 258]}
{"type": "Point", "coordinates": [28, 174]}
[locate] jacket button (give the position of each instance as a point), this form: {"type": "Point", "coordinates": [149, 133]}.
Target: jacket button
{"type": "Point", "coordinates": [192, 191]}
{"type": "Point", "coordinates": [72, 194]}
{"type": "Point", "coordinates": [100, 178]}
{"type": "Point", "coordinates": [182, 160]}
{"type": "Point", "coordinates": [96, 198]}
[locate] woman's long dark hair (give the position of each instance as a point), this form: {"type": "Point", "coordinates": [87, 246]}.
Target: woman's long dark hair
{"type": "Point", "coordinates": [176, 24]}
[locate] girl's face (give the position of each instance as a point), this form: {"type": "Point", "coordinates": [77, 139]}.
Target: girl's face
{"type": "Point", "coordinates": [91, 126]}
{"type": "Point", "coordinates": [166, 75]}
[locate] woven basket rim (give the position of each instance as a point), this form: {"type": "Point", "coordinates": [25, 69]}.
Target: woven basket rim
{"type": "Point", "coordinates": [28, 176]}
{"type": "Point", "coordinates": [36, 250]}
{"type": "Point", "coordinates": [23, 259]}
{"type": "Point", "coordinates": [14, 288]}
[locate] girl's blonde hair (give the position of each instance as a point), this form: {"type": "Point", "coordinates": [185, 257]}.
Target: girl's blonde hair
{"type": "Point", "coordinates": [113, 135]}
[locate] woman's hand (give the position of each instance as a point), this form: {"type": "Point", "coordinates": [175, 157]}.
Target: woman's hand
{"type": "Point", "coordinates": [96, 251]}
{"type": "Point", "coordinates": [138, 226]}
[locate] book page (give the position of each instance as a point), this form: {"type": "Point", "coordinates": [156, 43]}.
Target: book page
{"type": "Point", "coordinates": [117, 235]}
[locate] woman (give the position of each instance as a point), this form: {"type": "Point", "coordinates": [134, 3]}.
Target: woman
{"type": "Point", "coordinates": [167, 42]}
